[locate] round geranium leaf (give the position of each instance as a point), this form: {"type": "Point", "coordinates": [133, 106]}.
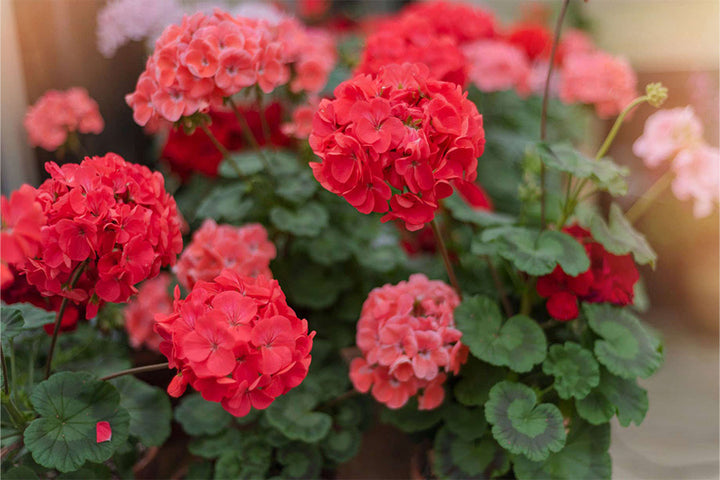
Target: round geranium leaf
{"type": "Point", "coordinates": [215, 446]}
{"type": "Point", "coordinates": [614, 395]}
{"type": "Point", "coordinates": [201, 417]}
{"type": "Point", "coordinates": [292, 414]}
{"type": "Point", "coordinates": [458, 458]}
{"type": "Point", "coordinates": [519, 343]}
{"type": "Point", "coordinates": [476, 380]}
{"type": "Point", "coordinates": [467, 423]}
{"type": "Point", "coordinates": [307, 221]}
{"type": "Point", "coordinates": [522, 426]}
{"type": "Point", "coordinates": [619, 237]}
{"type": "Point", "coordinates": [585, 456]}
{"type": "Point", "coordinates": [250, 459]}
{"type": "Point", "coordinates": [409, 419]}
{"type": "Point", "coordinates": [149, 409]}
{"type": "Point", "coordinates": [626, 348]}
{"type": "Point", "coordinates": [575, 370]}
{"type": "Point", "coordinates": [300, 460]}
{"type": "Point", "coordinates": [341, 445]}
{"type": "Point", "coordinates": [70, 405]}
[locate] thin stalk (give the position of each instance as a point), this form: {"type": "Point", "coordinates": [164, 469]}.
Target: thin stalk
{"type": "Point", "coordinates": [445, 257]}
{"type": "Point", "coordinates": [133, 371]}
{"type": "Point", "coordinates": [247, 132]}
{"type": "Point", "coordinates": [526, 300]}
{"type": "Point", "coordinates": [616, 126]}
{"type": "Point", "coordinates": [13, 373]}
{"type": "Point", "coordinates": [501, 291]}
{"type": "Point", "coordinates": [6, 385]}
{"type": "Point", "coordinates": [221, 148]}
{"type": "Point", "coordinates": [644, 202]}
{"type": "Point", "coordinates": [73, 280]}
{"type": "Point", "coordinates": [546, 97]}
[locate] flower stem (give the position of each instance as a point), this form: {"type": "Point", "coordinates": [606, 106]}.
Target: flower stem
{"type": "Point", "coordinates": [6, 385]}
{"type": "Point", "coordinates": [445, 257]}
{"type": "Point", "coordinates": [73, 280]}
{"type": "Point", "coordinates": [644, 202]}
{"type": "Point", "coordinates": [498, 285]}
{"type": "Point", "coordinates": [616, 126]}
{"type": "Point", "coordinates": [133, 371]}
{"type": "Point", "coordinates": [247, 132]}
{"type": "Point", "coordinates": [221, 148]}
{"type": "Point", "coordinates": [545, 100]}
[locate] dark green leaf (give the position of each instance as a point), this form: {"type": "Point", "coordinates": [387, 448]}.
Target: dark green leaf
{"type": "Point", "coordinates": [614, 395]}
{"type": "Point", "coordinates": [249, 163]}
{"type": "Point", "coordinates": [341, 445]}
{"type": "Point", "coordinates": [201, 417]}
{"type": "Point", "coordinates": [381, 259]}
{"type": "Point", "coordinates": [627, 349]}
{"type": "Point", "coordinates": [282, 163]}
{"type": "Point", "coordinates": [585, 456]}
{"type": "Point", "coordinates": [522, 426]}
{"type": "Point", "coordinates": [297, 188]}
{"type": "Point", "coordinates": [460, 210]}
{"type": "Point", "coordinates": [70, 405]}
{"type": "Point", "coordinates": [467, 423]}
{"type": "Point", "coordinates": [250, 460]}
{"type": "Point", "coordinates": [292, 414]}
{"type": "Point", "coordinates": [518, 344]}
{"type": "Point", "coordinates": [300, 461]}
{"type": "Point", "coordinates": [575, 370]}
{"type": "Point", "coordinates": [149, 409]}
{"type": "Point", "coordinates": [476, 380]}
{"type": "Point", "coordinates": [95, 471]}
{"type": "Point", "coordinates": [214, 447]}
{"type": "Point", "coordinates": [20, 473]}
{"type": "Point", "coordinates": [409, 419]}
{"type": "Point", "coordinates": [226, 203]}
{"type": "Point", "coordinates": [619, 237]}
{"type": "Point", "coordinates": [457, 458]}
{"type": "Point", "coordinates": [307, 221]}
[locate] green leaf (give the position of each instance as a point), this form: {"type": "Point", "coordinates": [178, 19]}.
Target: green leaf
{"type": "Point", "coordinates": [300, 461]}
{"type": "Point", "coordinates": [467, 423]}
{"type": "Point", "coordinates": [201, 417]}
{"type": "Point", "coordinates": [282, 163]}
{"type": "Point", "coordinates": [585, 456]}
{"type": "Point", "coordinates": [215, 446]}
{"type": "Point", "coordinates": [310, 285]}
{"type": "Point", "coordinates": [460, 210]}
{"type": "Point", "coordinates": [200, 471]}
{"type": "Point", "coordinates": [458, 458]}
{"type": "Point", "coordinates": [476, 380]}
{"type": "Point", "coordinates": [149, 409]}
{"type": "Point", "coordinates": [627, 349]}
{"type": "Point", "coordinates": [307, 221]}
{"type": "Point", "coordinates": [575, 370]}
{"type": "Point", "coordinates": [292, 414]}
{"type": "Point", "coordinates": [619, 237]}
{"type": "Point", "coordinates": [604, 173]}
{"type": "Point", "coordinates": [20, 473]}
{"type": "Point", "coordinates": [409, 419]}
{"type": "Point", "coordinates": [31, 316]}
{"type": "Point", "coordinates": [249, 163]}
{"type": "Point", "coordinates": [522, 426]}
{"type": "Point", "coordinates": [96, 471]}
{"type": "Point", "coordinates": [250, 459]}
{"type": "Point", "coordinates": [614, 395]}
{"type": "Point", "coordinates": [341, 445]}
{"type": "Point", "coordinates": [70, 405]}
{"type": "Point", "coordinates": [226, 203]}
{"type": "Point", "coordinates": [329, 248]}
{"type": "Point", "coordinates": [381, 259]}
{"type": "Point", "coordinates": [297, 188]}
{"type": "Point", "coordinates": [538, 254]}
{"type": "Point", "coordinates": [327, 382]}
{"type": "Point", "coordinates": [519, 343]}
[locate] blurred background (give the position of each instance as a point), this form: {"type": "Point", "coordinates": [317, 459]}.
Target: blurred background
{"type": "Point", "coordinates": [50, 44]}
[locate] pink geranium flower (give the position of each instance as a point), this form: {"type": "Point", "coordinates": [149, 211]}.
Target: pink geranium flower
{"type": "Point", "coordinates": [666, 133]}
{"type": "Point", "coordinates": [697, 177]}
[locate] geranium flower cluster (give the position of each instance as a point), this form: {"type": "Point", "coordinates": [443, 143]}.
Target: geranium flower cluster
{"type": "Point", "coordinates": [57, 113]}
{"type": "Point", "coordinates": [109, 220]}
{"type": "Point", "coordinates": [236, 341]}
{"type": "Point", "coordinates": [153, 298]}
{"type": "Point", "coordinates": [610, 279]}
{"type": "Point", "coordinates": [196, 64]}
{"type": "Point", "coordinates": [245, 250]}
{"type": "Point", "coordinates": [409, 342]}
{"type": "Point", "coordinates": [677, 135]}
{"type": "Point", "coordinates": [195, 153]}
{"type": "Point", "coordinates": [400, 130]}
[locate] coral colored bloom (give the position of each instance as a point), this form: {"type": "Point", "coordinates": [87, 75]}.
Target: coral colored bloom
{"type": "Point", "coordinates": [610, 279]}
{"type": "Point", "coordinates": [532, 39]}
{"type": "Point", "coordinates": [397, 130]}
{"type": "Point", "coordinates": [58, 113]}
{"type": "Point", "coordinates": [245, 250]}
{"type": "Point", "coordinates": [666, 133]}
{"type": "Point", "coordinates": [697, 177]}
{"type": "Point", "coordinates": [598, 78]}
{"type": "Point", "coordinates": [103, 432]}
{"type": "Point", "coordinates": [409, 342]}
{"type": "Point", "coordinates": [495, 65]}
{"type": "Point", "coordinates": [153, 298]}
{"type": "Point", "coordinates": [236, 341]}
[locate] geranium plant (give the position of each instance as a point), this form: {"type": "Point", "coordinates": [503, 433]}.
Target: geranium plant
{"type": "Point", "coordinates": [405, 233]}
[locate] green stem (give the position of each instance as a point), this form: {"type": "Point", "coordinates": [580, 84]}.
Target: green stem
{"type": "Point", "coordinates": [616, 126]}
{"type": "Point", "coordinates": [221, 148]}
{"type": "Point", "coordinates": [16, 416]}
{"type": "Point", "coordinates": [73, 280]}
{"type": "Point", "coordinates": [133, 371]}
{"type": "Point", "coordinates": [644, 202]}
{"type": "Point", "coordinates": [499, 286]}
{"type": "Point", "coordinates": [445, 257]}
{"type": "Point", "coordinates": [247, 132]}
{"type": "Point", "coordinates": [526, 301]}
{"type": "Point", "coordinates": [545, 391]}
{"type": "Point", "coordinates": [6, 385]}
{"type": "Point", "coordinates": [545, 100]}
